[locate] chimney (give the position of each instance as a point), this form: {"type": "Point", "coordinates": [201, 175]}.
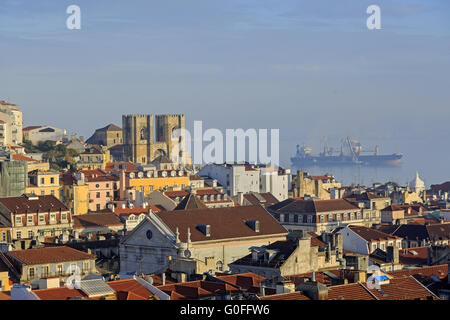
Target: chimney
{"type": "Point", "coordinates": [285, 287]}
{"type": "Point", "coordinates": [240, 198]}
{"type": "Point", "coordinates": [314, 290]}
{"type": "Point", "coordinates": [392, 254]}
{"type": "Point", "coordinates": [254, 225]}
{"type": "Point", "coordinates": [205, 229]}
{"type": "Point", "coordinates": [254, 255]}
{"type": "Point", "coordinates": [163, 278]}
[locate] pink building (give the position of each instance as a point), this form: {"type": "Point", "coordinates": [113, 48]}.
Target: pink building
{"type": "Point", "coordinates": [101, 188]}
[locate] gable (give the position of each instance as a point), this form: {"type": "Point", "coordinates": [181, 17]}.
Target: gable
{"type": "Point", "coordinates": [160, 237]}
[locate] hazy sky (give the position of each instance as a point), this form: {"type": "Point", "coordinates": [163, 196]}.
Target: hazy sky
{"type": "Point", "coordinates": [310, 68]}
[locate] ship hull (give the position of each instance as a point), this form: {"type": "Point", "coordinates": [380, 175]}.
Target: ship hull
{"type": "Point", "coordinates": [381, 160]}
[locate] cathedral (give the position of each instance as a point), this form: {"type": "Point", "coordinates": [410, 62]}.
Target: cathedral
{"type": "Point", "coordinates": [145, 139]}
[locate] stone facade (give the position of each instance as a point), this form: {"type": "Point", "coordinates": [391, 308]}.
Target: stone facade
{"type": "Point", "coordinates": [140, 143]}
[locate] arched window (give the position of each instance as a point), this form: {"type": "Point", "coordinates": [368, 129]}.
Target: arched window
{"type": "Point", "coordinates": [219, 265]}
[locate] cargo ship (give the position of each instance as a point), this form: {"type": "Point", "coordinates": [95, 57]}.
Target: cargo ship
{"type": "Point", "coordinates": [351, 153]}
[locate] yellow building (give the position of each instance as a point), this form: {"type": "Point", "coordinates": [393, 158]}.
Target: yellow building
{"type": "Point", "coordinates": [75, 193]}
{"type": "Point", "coordinates": [43, 183]}
{"type": "Point", "coordinates": [157, 180]}
{"type": "Point", "coordinates": [411, 197]}
{"type": "Point", "coordinates": [93, 158]}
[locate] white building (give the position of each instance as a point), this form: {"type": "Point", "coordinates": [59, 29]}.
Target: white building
{"type": "Point", "coordinates": [10, 124]}
{"type": "Point", "coordinates": [417, 185]}
{"type": "Point", "coordinates": [275, 182]}
{"type": "Point", "coordinates": [44, 133]}
{"type": "Point", "coordinates": [246, 178]}
{"type": "Point", "coordinates": [197, 240]}
{"type": "Point", "coordinates": [365, 240]}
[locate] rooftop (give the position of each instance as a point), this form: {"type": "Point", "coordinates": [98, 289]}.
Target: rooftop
{"type": "Point", "coordinates": [50, 255]}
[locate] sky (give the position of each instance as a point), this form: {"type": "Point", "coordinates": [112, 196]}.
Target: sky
{"type": "Point", "coordinates": [309, 68]}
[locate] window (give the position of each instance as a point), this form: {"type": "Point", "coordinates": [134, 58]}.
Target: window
{"type": "Point", "coordinates": [19, 235]}
{"type": "Point", "coordinates": [97, 195]}
{"type": "Point", "coordinates": [30, 234]}
{"type": "Point", "coordinates": [98, 207]}
{"type": "Point", "coordinates": [31, 272]}
{"type": "Point", "coordinates": [44, 271]}
{"type": "Point", "coordinates": [18, 220]}
{"type": "Point", "coordinates": [321, 218]}
{"type": "Point", "coordinates": [59, 269]}
{"type": "Point", "coordinates": [52, 180]}
{"type": "Point", "coordinates": [309, 219]}
{"type": "Point", "coordinates": [107, 193]}
{"type": "Point", "coordinates": [42, 180]}
{"type": "Point", "coordinates": [219, 266]}
{"type": "Point", "coordinates": [107, 185]}
{"type": "Point", "coordinates": [29, 219]}
{"type": "Point", "coordinates": [41, 218]}
{"type": "Point", "coordinates": [3, 236]}
{"type": "Point", "coordinates": [374, 247]}
{"type": "Point", "coordinates": [352, 216]}
{"type": "Point", "coordinates": [63, 216]}
{"type": "Point", "coordinates": [85, 266]}
{"type": "Point", "coordinates": [97, 186]}
{"type": "Point", "coordinates": [52, 217]}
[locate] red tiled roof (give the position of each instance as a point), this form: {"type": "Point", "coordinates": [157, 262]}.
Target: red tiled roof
{"type": "Point", "coordinates": [403, 289]}
{"type": "Point", "coordinates": [417, 255]}
{"type": "Point", "coordinates": [440, 271]}
{"type": "Point", "coordinates": [313, 206]}
{"type": "Point", "coordinates": [50, 255]}
{"type": "Point", "coordinates": [20, 157]}
{"type": "Point", "coordinates": [297, 295]}
{"type": "Point", "coordinates": [351, 291]}
{"type": "Point", "coordinates": [226, 223]}
{"type": "Point", "coordinates": [96, 220]}
{"type": "Point", "coordinates": [29, 128]}
{"type": "Point", "coordinates": [129, 289]}
{"type": "Point", "coordinates": [22, 204]}
{"type": "Point", "coordinates": [370, 234]}
{"type": "Point", "coordinates": [131, 167]}
{"type": "Point", "coordinates": [128, 211]}
{"type": "Point", "coordinates": [174, 194]}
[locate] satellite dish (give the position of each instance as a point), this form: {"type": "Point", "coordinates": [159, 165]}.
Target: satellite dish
{"type": "Point", "coordinates": [140, 174]}
{"type": "Point", "coordinates": [149, 279]}
{"type": "Point", "coordinates": [149, 174]}
{"type": "Point", "coordinates": [187, 253]}
{"type": "Point", "coordinates": [132, 175]}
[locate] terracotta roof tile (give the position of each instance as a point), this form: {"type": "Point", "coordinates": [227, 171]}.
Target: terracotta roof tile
{"type": "Point", "coordinates": [225, 223]}
{"type": "Point", "coordinates": [50, 255]}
